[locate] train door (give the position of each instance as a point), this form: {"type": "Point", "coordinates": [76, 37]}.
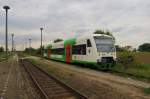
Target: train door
{"type": "Point", "coordinates": [89, 50]}
{"type": "Point", "coordinates": [68, 53]}
{"type": "Point", "coordinates": [89, 47]}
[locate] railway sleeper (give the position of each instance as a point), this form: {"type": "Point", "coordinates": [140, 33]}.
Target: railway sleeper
{"type": "Point", "coordinates": [58, 95]}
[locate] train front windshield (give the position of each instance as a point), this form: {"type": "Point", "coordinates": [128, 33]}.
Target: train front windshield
{"type": "Point", "coordinates": [104, 44]}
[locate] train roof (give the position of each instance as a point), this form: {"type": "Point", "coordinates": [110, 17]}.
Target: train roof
{"type": "Point", "coordinates": [72, 40]}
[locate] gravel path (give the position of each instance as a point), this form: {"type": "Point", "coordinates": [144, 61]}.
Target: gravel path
{"type": "Point", "coordinates": [96, 84]}
{"type": "Point", "coordinates": [14, 83]}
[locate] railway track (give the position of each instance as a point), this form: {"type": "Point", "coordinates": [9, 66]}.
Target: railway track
{"type": "Point", "coordinates": [49, 86]}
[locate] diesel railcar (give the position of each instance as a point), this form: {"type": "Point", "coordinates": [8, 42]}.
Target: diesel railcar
{"type": "Point", "coordinates": [96, 50]}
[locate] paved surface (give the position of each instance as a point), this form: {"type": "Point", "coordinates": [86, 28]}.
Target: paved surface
{"type": "Point", "coordinates": [14, 83]}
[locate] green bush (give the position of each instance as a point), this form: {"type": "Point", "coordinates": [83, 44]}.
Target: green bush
{"type": "Point", "coordinates": [126, 59]}
{"type": "Point", "coordinates": [135, 67]}
{"type": "Point", "coordinates": [147, 90]}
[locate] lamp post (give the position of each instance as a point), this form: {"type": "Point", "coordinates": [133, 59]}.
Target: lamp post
{"type": "Point", "coordinates": [6, 9]}
{"type": "Point", "coordinates": [30, 45]}
{"type": "Point", "coordinates": [41, 41]}
{"type": "Point", "coordinates": [12, 42]}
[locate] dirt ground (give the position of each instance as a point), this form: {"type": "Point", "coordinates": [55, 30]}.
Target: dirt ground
{"type": "Point", "coordinates": [96, 84]}
{"type": "Point", "coordinates": [14, 82]}
{"type": "Point", "coordinates": [144, 57]}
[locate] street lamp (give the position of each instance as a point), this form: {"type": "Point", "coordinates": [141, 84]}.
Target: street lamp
{"type": "Point", "coordinates": [30, 45]}
{"type": "Point", "coordinates": [6, 9]}
{"type": "Point", "coordinates": [12, 42]}
{"type": "Point", "coordinates": [41, 40]}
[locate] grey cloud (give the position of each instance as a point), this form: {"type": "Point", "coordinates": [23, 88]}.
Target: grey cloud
{"type": "Point", "coordinates": [62, 17]}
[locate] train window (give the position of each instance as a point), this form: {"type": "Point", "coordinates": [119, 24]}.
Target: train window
{"type": "Point", "coordinates": [83, 49]}
{"type": "Point", "coordinates": [58, 51]}
{"type": "Point", "coordinates": [89, 43]}
{"type": "Point", "coordinates": [74, 49]}
{"type": "Point", "coordinates": [79, 49]}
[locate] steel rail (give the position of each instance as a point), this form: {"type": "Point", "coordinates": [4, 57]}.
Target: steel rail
{"type": "Point", "coordinates": [43, 93]}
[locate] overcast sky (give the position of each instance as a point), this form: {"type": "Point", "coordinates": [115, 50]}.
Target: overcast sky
{"type": "Point", "coordinates": [129, 20]}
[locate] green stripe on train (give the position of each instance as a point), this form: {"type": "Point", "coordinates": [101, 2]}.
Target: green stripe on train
{"type": "Point", "coordinates": [69, 42]}
{"type": "Point", "coordinates": [49, 46]}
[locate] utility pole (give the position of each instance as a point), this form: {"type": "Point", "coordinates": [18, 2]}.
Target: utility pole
{"type": "Point", "coordinates": [26, 45]}
{"type": "Point", "coordinates": [41, 41]}
{"type": "Point", "coordinates": [6, 9]}
{"type": "Point", "coordinates": [30, 45]}
{"type": "Point", "coordinates": [12, 42]}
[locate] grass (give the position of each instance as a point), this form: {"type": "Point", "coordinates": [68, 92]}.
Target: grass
{"type": "Point", "coordinates": [4, 56]}
{"type": "Point", "coordinates": [140, 73]}
{"type": "Point", "coordinates": [135, 68]}
{"type": "Point", "coordinates": [43, 67]}
{"type": "Point", "coordinates": [147, 90]}
{"type": "Point", "coordinates": [23, 54]}
{"type": "Point", "coordinates": [52, 71]}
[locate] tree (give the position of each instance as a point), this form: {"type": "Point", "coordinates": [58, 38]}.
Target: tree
{"type": "Point", "coordinates": [58, 40]}
{"type": "Point", "coordinates": [103, 32]}
{"type": "Point", "coordinates": [118, 48]}
{"type": "Point", "coordinates": [99, 32]}
{"type": "Point", "coordinates": [30, 50]}
{"type": "Point", "coordinates": [1, 49]}
{"type": "Point", "coordinates": [144, 47]}
{"type": "Point", "coordinates": [38, 51]}
{"type": "Point", "coordinates": [108, 33]}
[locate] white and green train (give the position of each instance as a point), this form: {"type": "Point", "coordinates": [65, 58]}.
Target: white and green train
{"type": "Point", "coordinates": [95, 50]}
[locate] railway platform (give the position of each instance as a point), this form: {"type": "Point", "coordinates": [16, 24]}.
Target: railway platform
{"type": "Point", "coordinates": [14, 83]}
